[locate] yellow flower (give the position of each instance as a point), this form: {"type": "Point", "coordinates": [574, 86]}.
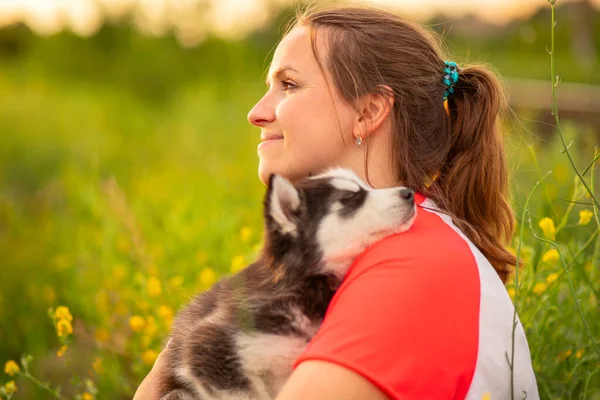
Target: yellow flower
{"type": "Point", "coordinates": [61, 352]}
{"type": "Point", "coordinates": [565, 354]}
{"type": "Point", "coordinates": [153, 287]}
{"type": "Point", "coordinates": [579, 353]}
{"type": "Point", "coordinates": [539, 288]}
{"type": "Point", "coordinates": [585, 216]}
{"type": "Point", "coordinates": [137, 323]}
{"type": "Point", "coordinates": [548, 227]}
{"type": "Point", "coordinates": [166, 313]}
{"type": "Point", "coordinates": [10, 388]}
{"type": "Point", "coordinates": [87, 396]}
{"type": "Point", "coordinates": [551, 278]}
{"type": "Point", "coordinates": [149, 356]}
{"type": "Point", "coordinates": [486, 396]}
{"type": "Point", "coordinates": [176, 282]}
{"type": "Point", "coordinates": [246, 234]}
{"type": "Point", "coordinates": [208, 277]}
{"type": "Point", "coordinates": [512, 292]}
{"type": "Point", "coordinates": [11, 368]}
{"type": "Point", "coordinates": [102, 335]}
{"type": "Point", "coordinates": [64, 328]}
{"type": "Point", "coordinates": [63, 312]}
{"type": "Point", "coordinates": [237, 264]}
{"type": "Point", "coordinates": [97, 365]}
{"type": "Point", "coordinates": [551, 255]}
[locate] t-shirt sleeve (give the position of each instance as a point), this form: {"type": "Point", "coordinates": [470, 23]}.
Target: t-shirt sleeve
{"type": "Point", "coordinates": [408, 324]}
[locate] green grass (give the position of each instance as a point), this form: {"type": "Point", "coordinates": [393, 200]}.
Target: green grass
{"type": "Point", "coordinates": [117, 204]}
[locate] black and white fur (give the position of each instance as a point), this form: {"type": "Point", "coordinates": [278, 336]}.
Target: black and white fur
{"type": "Point", "coordinates": [239, 340]}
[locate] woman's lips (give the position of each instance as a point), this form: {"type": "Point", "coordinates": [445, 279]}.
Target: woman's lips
{"type": "Point", "coordinates": [267, 140]}
{"type": "Point", "coordinates": [269, 136]}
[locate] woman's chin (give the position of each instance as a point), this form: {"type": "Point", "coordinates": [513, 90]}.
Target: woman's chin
{"type": "Point", "coordinates": [265, 170]}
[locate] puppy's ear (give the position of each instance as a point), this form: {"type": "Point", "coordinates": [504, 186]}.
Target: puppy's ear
{"type": "Point", "coordinates": [281, 202]}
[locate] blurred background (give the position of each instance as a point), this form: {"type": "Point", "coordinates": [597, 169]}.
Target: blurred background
{"type": "Point", "coordinates": [128, 169]}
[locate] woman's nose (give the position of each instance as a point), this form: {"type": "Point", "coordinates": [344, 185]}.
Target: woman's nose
{"type": "Point", "coordinates": [262, 113]}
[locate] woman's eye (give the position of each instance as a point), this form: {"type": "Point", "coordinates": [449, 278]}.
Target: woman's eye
{"type": "Point", "coordinates": [288, 85]}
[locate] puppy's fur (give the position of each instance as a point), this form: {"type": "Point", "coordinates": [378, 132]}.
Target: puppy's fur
{"type": "Point", "coordinates": [239, 340]}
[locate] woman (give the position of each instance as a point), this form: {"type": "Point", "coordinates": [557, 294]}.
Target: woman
{"type": "Point", "coordinates": [423, 314]}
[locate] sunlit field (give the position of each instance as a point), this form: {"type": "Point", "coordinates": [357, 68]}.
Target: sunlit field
{"type": "Point", "coordinates": [128, 183]}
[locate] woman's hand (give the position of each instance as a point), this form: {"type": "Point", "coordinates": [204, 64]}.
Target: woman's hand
{"type": "Point", "coordinates": [148, 389]}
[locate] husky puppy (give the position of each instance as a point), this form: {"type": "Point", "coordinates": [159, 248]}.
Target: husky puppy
{"type": "Point", "coordinates": [239, 340]}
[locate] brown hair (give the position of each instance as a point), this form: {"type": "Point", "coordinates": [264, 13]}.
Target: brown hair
{"type": "Point", "coordinates": [370, 49]}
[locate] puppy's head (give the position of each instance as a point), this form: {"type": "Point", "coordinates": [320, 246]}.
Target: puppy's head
{"type": "Point", "coordinates": [327, 220]}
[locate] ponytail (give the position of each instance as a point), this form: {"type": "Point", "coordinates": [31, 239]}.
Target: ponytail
{"type": "Point", "coordinates": [474, 180]}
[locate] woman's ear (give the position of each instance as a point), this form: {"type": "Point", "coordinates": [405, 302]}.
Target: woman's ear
{"type": "Point", "coordinates": [374, 109]}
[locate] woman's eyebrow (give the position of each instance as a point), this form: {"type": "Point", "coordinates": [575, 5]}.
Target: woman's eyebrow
{"type": "Point", "coordinates": [280, 71]}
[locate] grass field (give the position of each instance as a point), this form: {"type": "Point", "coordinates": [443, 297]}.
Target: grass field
{"type": "Point", "coordinates": [121, 206]}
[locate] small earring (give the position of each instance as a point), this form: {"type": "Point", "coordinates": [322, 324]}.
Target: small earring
{"type": "Point", "coordinates": [359, 140]}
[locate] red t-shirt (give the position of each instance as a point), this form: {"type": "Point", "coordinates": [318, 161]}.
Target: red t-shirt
{"type": "Point", "coordinates": [423, 315]}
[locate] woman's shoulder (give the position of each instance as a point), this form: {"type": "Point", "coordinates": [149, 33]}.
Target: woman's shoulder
{"type": "Point", "coordinates": [433, 242]}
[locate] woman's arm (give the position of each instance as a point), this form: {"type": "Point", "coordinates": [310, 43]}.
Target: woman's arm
{"type": "Point", "coordinates": [314, 379]}
{"type": "Point", "coordinates": [310, 380]}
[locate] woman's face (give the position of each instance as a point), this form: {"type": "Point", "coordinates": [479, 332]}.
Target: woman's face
{"type": "Point", "coordinates": [302, 116]}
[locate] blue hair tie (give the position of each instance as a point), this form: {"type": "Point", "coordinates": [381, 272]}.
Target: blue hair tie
{"type": "Point", "coordinates": [450, 78]}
